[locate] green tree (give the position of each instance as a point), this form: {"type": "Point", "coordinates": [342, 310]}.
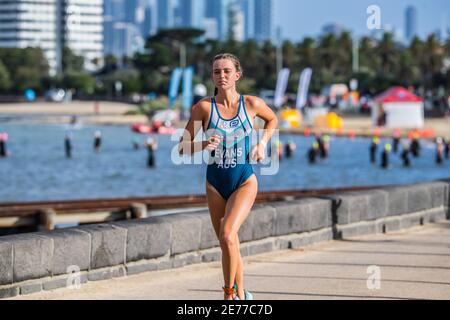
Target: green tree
{"type": "Point", "coordinates": [5, 80]}
{"type": "Point", "coordinates": [80, 81]}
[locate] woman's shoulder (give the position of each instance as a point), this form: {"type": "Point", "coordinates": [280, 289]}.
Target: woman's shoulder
{"type": "Point", "coordinates": [202, 106]}
{"type": "Point", "coordinates": [253, 101]}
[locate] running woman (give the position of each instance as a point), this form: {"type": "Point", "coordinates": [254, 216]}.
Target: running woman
{"type": "Point", "coordinates": [231, 185]}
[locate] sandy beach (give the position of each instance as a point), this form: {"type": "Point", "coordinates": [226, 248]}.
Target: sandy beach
{"type": "Point", "coordinates": [110, 113]}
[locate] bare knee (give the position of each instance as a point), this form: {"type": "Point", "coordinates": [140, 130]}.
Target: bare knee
{"type": "Point", "coordinates": [227, 239]}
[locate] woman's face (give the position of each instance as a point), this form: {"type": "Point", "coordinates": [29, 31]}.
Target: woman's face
{"type": "Point", "coordinates": [225, 74]}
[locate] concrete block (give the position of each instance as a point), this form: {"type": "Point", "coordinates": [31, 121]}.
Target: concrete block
{"type": "Point", "coordinates": [208, 234]}
{"type": "Point", "coordinates": [99, 275]}
{"type": "Point", "coordinates": [409, 221]}
{"type": "Point", "coordinates": [322, 236]}
{"type": "Point", "coordinates": [185, 260]}
{"type": "Point", "coordinates": [439, 193]}
{"type": "Point", "coordinates": [397, 200]}
{"type": "Point", "coordinates": [246, 231]}
{"type": "Point", "coordinates": [299, 242]}
{"type": "Point", "coordinates": [378, 204]}
{"type": "Point", "coordinates": [437, 216]}
{"type": "Point", "coordinates": [292, 217]}
{"type": "Point", "coordinates": [260, 247]}
{"type": "Point", "coordinates": [164, 265]}
{"type": "Point", "coordinates": [351, 207]}
{"type": "Point", "coordinates": [55, 284]}
{"type": "Point", "coordinates": [263, 222]}
{"type": "Point", "coordinates": [392, 224]}
{"type": "Point", "coordinates": [9, 292]}
{"type": "Point", "coordinates": [6, 263]}
{"type": "Point", "coordinates": [119, 272]}
{"type": "Point", "coordinates": [146, 238]}
{"type": "Point", "coordinates": [186, 232]}
{"type": "Point", "coordinates": [447, 198]}
{"type": "Point", "coordinates": [367, 228]}
{"type": "Point", "coordinates": [212, 255]}
{"type": "Point", "coordinates": [419, 198]}
{"type": "Point", "coordinates": [108, 243]}
{"type": "Point", "coordinates": [72, 247]}
{"type": "Point", "coordinates": [349, 231]}
{"type": "Point", "coordinates": [320, 213]}
{"type": "Point", "coordinates": [134, 268]}
{"type": "Point", "coordinates": [32, 256]}
{"type": "Point", "coordinates": [63, 282]}
{"type": "Point", "coordinates": [30, 288]}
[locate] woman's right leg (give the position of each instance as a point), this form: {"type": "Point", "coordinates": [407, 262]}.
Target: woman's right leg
{"type": "Point", "coordinates": [216, 205]}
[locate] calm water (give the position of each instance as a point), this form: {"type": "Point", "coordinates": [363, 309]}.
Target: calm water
{"type": "Point", "coordinates": [38, 169]}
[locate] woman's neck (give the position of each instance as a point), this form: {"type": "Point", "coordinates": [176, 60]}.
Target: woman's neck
{"type": "Point", "coordinates": [228, 97]}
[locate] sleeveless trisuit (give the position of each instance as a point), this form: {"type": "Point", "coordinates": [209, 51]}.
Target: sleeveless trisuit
{"type": "Point", "coordinates": [229, 165]}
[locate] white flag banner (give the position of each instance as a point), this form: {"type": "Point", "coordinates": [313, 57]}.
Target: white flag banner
{"type": "Point", "coordinates": [282, 83]}
{"type": "Point", "coordinates": [303, 87]}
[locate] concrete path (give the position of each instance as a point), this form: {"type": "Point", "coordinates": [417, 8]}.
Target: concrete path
{"type": "Point", "coordinates": [413, 264]}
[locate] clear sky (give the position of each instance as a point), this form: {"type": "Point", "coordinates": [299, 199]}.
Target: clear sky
{"type": "Point", "coordinates": [300, 18]}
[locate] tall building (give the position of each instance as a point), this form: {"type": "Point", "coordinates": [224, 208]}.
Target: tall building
{"type": "Point", "coordinates": [165, 14]}
{"type": "Point", "coordinates": [411, 23]}
{"type": "Point", "coordinates": [30, 25]}
{"type": "Point", "coordinates": [52, 25]}
{"type": "Point", "coordinates": [192, 13]}
{"type": "Point", "coordinates": [114, 9]}
{"type": "Point", "coordinates": [248, 8]}
{"type": "Point", "coordinates": [263, 20]}
{"type": "Point", "coordinates": [219, 10]}
{"type": "Point", "coordinates": [149, 26]}
{"type": "Point", "coordinates": [237, 22]}
{"type": "Point", "coordinates": [82, 30]}
{"type": "Point", "coordinates": [211, 29]}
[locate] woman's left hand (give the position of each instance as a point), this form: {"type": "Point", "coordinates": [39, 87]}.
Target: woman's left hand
{"type": "Point", "coordinates": [258, 153]}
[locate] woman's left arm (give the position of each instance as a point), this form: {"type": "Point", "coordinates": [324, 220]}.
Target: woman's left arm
{"type": "Point", "coordinates": [262, 110]}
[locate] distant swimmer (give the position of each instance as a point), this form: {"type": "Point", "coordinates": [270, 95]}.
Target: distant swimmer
{"type": "Point", "coordinates": [152, 146]}
{"type": "Point", "coordinates": [68, 145]}
{"type": "Point", "coordinates": [313, 152]}
{"type": "Point", "coordinates": [326, 147]}
{"type": "Point", "coordinates": [415, 146]}
{"type": "Point", "coordinates": [374, 149]}
{"type": "Point", "coordinates": [405, 156]}
{"type": "Point", "coordinates": [97, 141]}
{"type": "Point", "coordinates": [385, 156]}
{"type": "Point", "coordinates": [439, 151]}
{"type": "Point", "coordinates": [396, 140]}
{"type": "Point", "coordinates": [290, 148]}
{"type": "Point", "coordinates": [321, 146]}
{"type": "Point", "coordinates": [3, 150]}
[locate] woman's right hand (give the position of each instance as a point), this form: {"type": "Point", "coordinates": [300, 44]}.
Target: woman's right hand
{"type": "Point", "coordinates": [213, 143]}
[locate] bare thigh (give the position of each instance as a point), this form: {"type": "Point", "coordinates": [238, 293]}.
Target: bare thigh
{"type": "Point", "coordinates": [216, 205]}
{"type": "Point", "coordinates": [239, 205]}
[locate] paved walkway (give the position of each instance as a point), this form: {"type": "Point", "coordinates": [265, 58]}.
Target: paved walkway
{"type": "Point", "coordinates": [413, 264]}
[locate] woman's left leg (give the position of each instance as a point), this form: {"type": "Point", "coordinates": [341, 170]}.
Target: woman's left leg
{"type": "Point", "coordinates": [237, 210]}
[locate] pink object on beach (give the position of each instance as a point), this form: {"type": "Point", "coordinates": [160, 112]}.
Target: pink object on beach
{"type": "Point", "coordinates": [397, 94]}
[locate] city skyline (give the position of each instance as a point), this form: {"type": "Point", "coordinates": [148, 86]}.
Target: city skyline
{"type": "Point", "coordinates": [300, 18]}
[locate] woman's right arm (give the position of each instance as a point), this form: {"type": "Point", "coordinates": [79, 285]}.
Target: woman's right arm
{"type": "Point", "coordinates": [187, 145]}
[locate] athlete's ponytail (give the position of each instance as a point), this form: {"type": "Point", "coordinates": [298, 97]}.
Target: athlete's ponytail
{"type": "Point", "coordinates": [216, 91]}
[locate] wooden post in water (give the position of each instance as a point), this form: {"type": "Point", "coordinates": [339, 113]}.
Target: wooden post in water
{"type": "Point", "coordinates": [46, 219]}
{"type": "Point", "coordinates": [138, 211]}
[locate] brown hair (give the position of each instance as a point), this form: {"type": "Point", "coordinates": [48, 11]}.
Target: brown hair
{"type": "Point", "coordinates": [234, 59]}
